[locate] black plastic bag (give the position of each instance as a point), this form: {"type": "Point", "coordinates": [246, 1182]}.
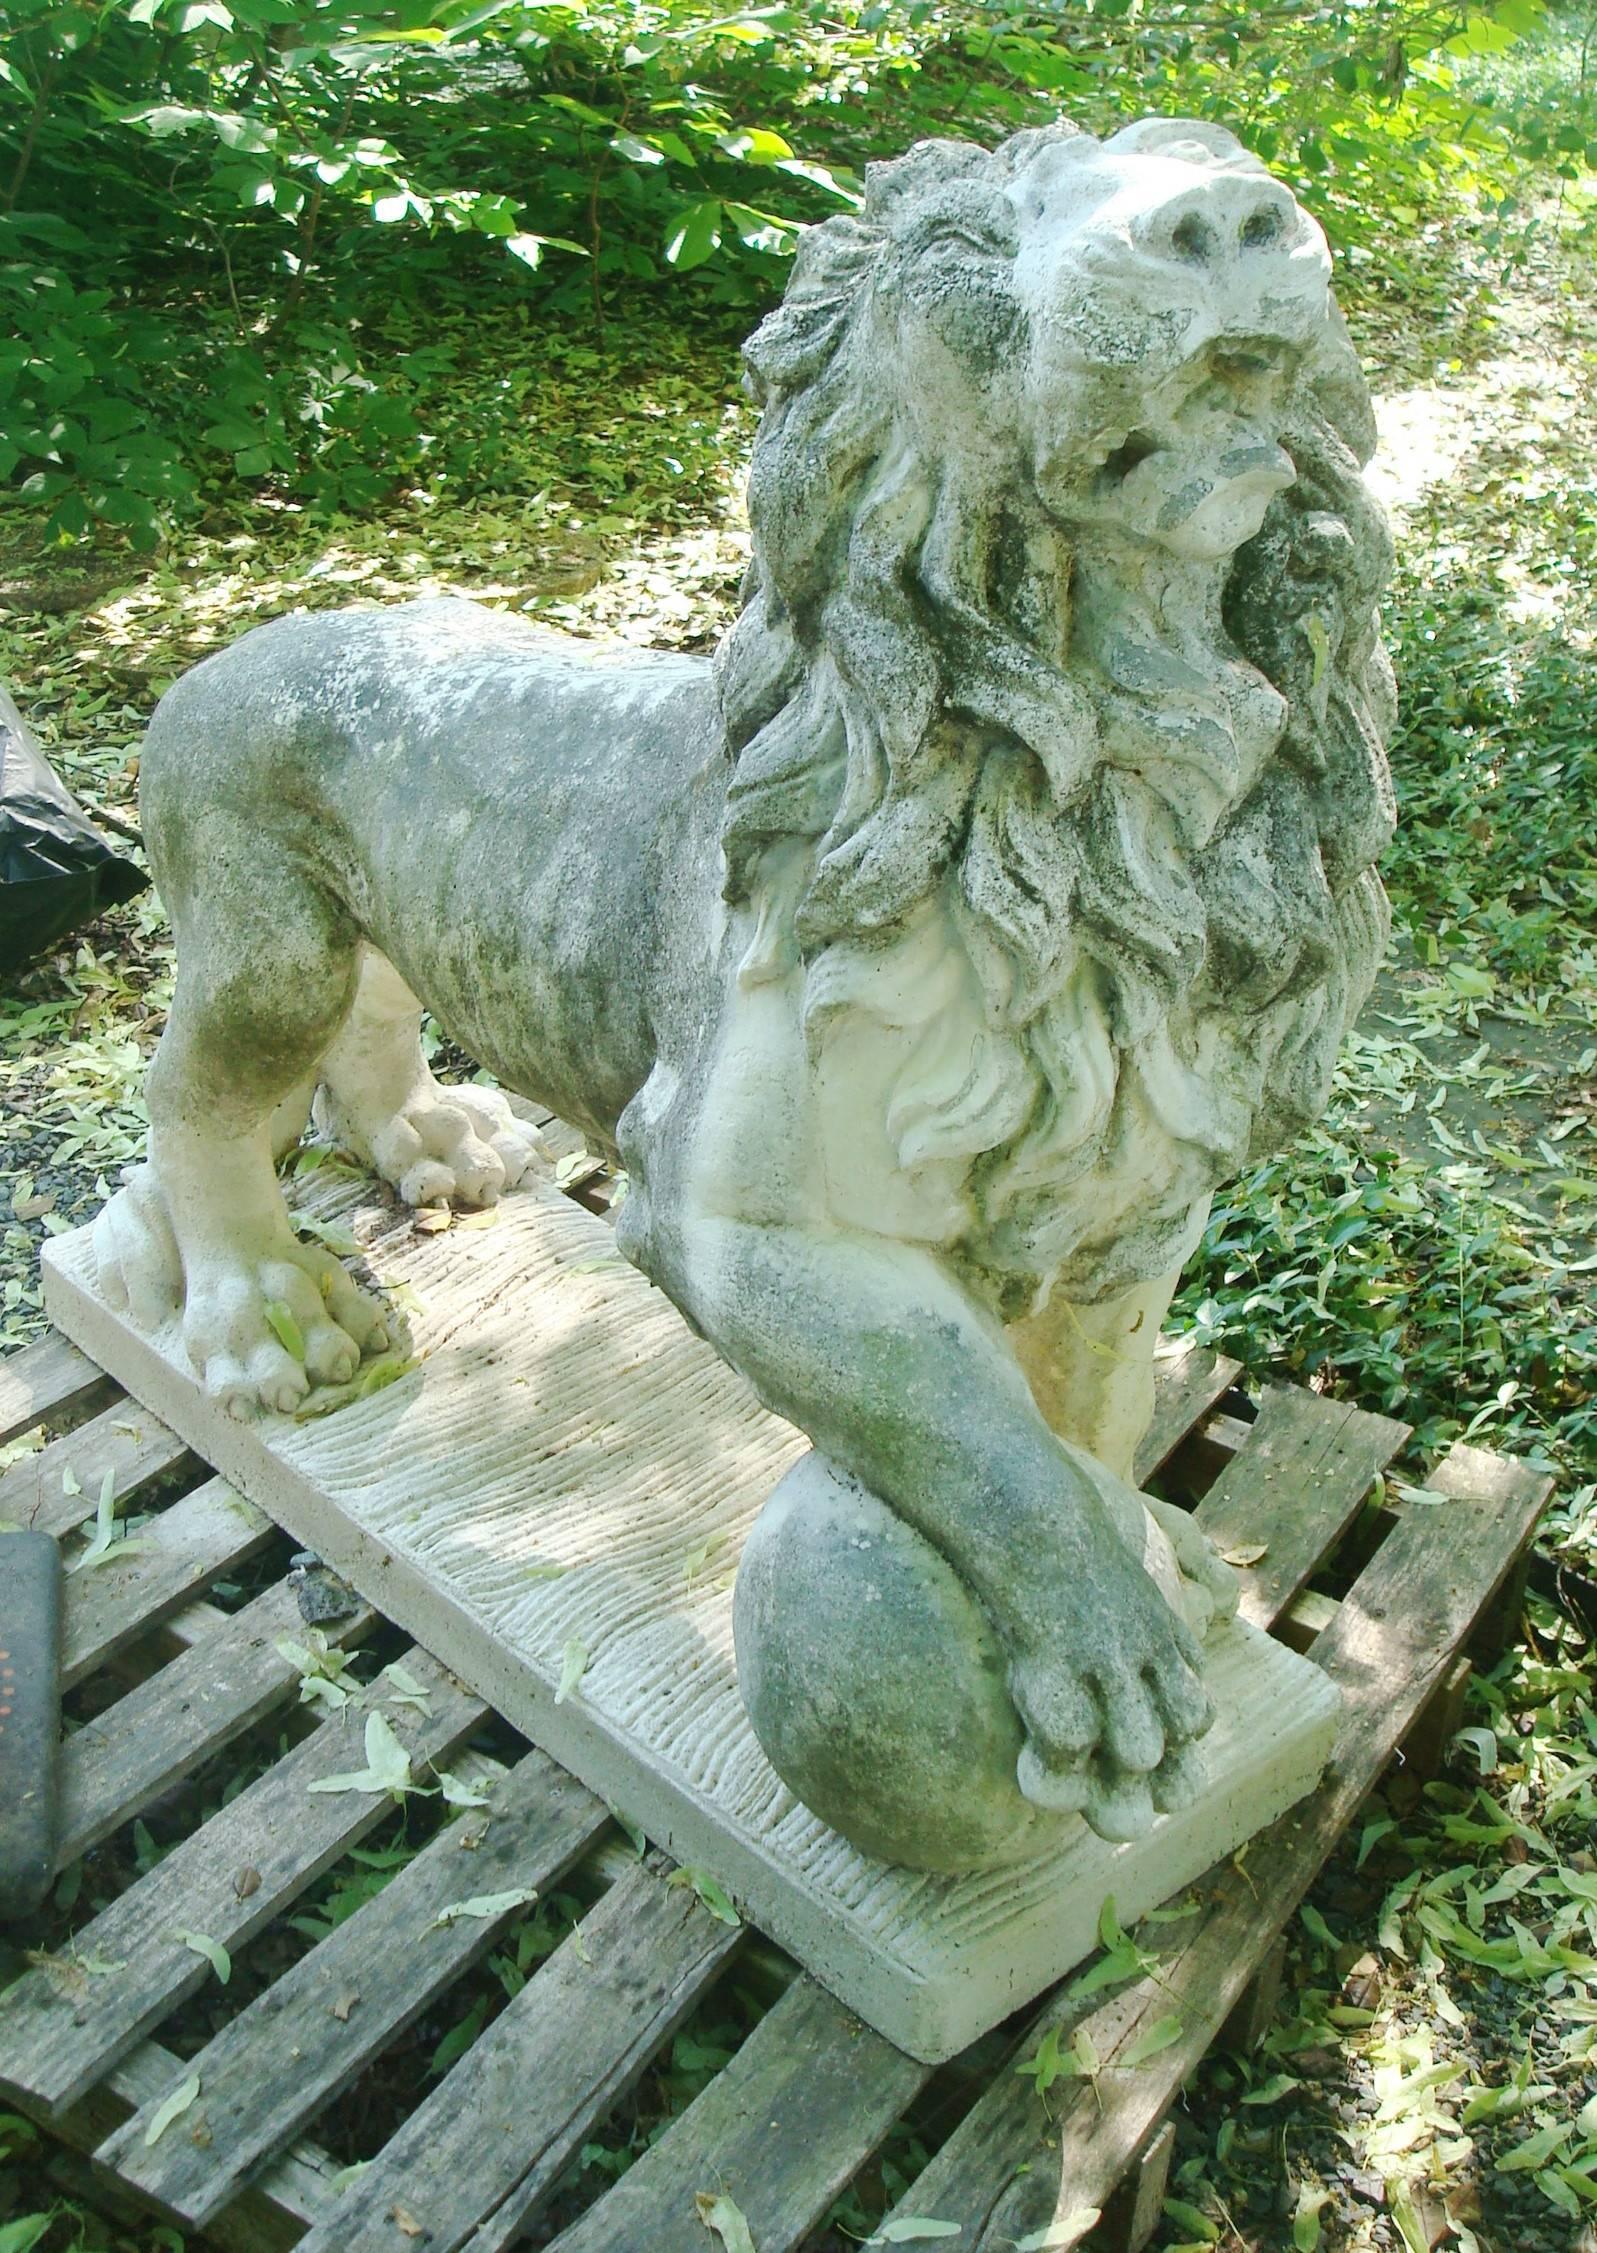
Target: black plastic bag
{"type": "Point", "coordinates": [56, 870]}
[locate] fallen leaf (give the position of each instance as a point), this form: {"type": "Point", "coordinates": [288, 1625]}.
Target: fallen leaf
{"type": "Point", "coordinates": [1248, 1553]}
{"type": "Point", "coordinates": [246, 1881]}
{"type": "Point", "coordinates": [487, 1905]}
{"type": "Point", "coordinates": [1159, 2037]}
{"type": "Point", "coordinates": [573, 1664]}
{"type": "Point", "coordinates": [459, 1794]}
{"type": "Point", "coordinates": [1069, 2230]}
{"type": "Point", "coordinates": [387, 1764]}
{"type": "Point", "coordinates": [434, 1221]}
{"type": "Point", "coordinates": [213, 1952]}
{"type": "Point", "coordinates": [407, 1690]}
{"type": "Point", "coordinates": [167, 2111]}
{"type": "Point", "coordinates": [717, 2213]}
{"type": "Point", "coordinates": [406, 2221]}
{"type": "Point", "coordinates": [289, 1335]}
{"type": "Point", "coordinates": [344, 2005]}
{"type": "Point", "coordinates": [710, 1891]}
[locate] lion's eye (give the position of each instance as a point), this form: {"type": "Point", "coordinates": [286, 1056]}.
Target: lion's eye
{"type": "Point", "coordinates": [966, 238]}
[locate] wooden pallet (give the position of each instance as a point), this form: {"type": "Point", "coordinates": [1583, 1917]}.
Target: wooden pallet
{"type": "Point", "coordinates": [811, 2095]}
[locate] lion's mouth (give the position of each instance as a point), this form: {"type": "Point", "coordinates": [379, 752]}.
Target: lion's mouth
{"type": "Point", "coordinates": [1116, 456]}
{"type": "Point", "coordinates": [1245, 454]}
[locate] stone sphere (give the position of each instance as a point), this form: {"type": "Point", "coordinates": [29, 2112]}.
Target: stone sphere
{"type": "Point", "coordinates": [874, 1682]}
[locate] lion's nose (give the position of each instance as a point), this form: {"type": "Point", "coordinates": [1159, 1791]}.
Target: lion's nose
{"type": "Point", "coordinates": [1218, 221]}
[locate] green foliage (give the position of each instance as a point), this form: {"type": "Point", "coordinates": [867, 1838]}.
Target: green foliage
{"type": "Point", "coordinates": [229, 228]}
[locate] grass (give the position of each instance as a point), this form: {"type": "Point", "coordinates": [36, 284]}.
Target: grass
{"type": "Point", "coordinates": [1429, 1250]}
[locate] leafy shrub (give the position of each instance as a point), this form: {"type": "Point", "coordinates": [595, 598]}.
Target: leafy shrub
{"type": "Point", "coordinates": [217, 209]}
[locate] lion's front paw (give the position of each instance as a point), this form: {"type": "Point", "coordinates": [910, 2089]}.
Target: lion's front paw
{"type": "Point", "coordinates": [1112, 1703]}
{"type": "Point", "coordinates": [1210, 1589]}
{"type": "Point", "coordinates": [136, 1252]}
{"type": "Point", "coordinates": [460, 1144]}
{"type": "Point", "coordinates": [261, 1331]}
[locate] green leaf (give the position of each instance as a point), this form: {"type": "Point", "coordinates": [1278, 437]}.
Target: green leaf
{"type": "Point", "coordinates": [213, 1952]}
{"type": "Point", "coordinates": [23, 2234]}
{"type": "Point", "coordinates": [1536, 2149]}
{"type": "Point", "coordinates": [458, 1793]}
{"type": "Point", "coordinates": [726, 2221]}
{"type": "Point", "coordinates": [710, 1891]}
{"type": "Point", "coordinates": [1058, 2236]}
{"type": "Point", "coordinates": [1400, 2205]}
{"type": "Point", "coordinates": [913, 2229]}
{"type": "Point", "coordinates": [573, 1665]}
{"type": "Point", "coordinates": [407, 1690]}
{"type": "Point", "coordinates": [1370, 1837]}
{"type": "Point", "coordinates": [1047, 2062]}
{"type": "Point", "coordinates": [1193, 2220]}
{"type": "Point", "coordinates": [387, 1764]}
{"type": "Point", "coordinates": [1483, 1743]}
{"type": "Point", "coordinates": [1306, 2219]}
{"type": "Point", "coordinates": [459, 2038]}
{"type": "Point", "coordinates": [278, 1313]}
{"type": "Point", "coordinates": [1316, 1927]}
{"type": "Point", "coordinates": [484, 1906]}
{"type": "Point", "coordinates": [1272, 2091]}
{"type": "Point", "coordinates": [167, 2111]}
{"type": "Point", "coordinates": [1158, 2037]}
{"type": "Point", "coordinates": [530, 248]}
{"type": "Point", "coordinates": [105, 1542]}
{"type": "Point", "coordinates": [695, 236]}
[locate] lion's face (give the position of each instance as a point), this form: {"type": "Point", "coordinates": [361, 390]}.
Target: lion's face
{"type": "Point", "coordinates": [1061, 643]}
{"type": "Point", "coordinates": [1131, 316]}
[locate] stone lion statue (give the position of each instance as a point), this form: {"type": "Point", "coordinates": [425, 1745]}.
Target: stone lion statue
{"type": "Point", "coordinates": [927, 960]}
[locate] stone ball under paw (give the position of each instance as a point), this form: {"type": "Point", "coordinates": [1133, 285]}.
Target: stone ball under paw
{"type": "Point", "coordinates": [874, 1681]}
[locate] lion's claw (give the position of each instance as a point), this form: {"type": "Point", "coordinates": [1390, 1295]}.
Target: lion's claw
{"type": "Point", "coordinates": [262, 1331]}
{"type": "Point", "coordinates": [1113, 1738]}
{"type": "Point", "coordinates": [1200, 1562]}
{"type": "Point", "coordinates": [460, 1144]}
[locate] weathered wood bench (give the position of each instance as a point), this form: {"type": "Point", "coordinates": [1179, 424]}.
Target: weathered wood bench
{"type": "Point", "coordinates": [1289, 1485]}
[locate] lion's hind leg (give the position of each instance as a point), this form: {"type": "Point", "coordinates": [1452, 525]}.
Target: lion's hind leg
{"type": "Point", "coordinates": [266, 971]}
{"type": "Point", "coordinates": [434, 1143]}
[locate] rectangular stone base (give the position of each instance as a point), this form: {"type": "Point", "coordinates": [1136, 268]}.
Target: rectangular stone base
{"type": "Point", "coordinates": [565, 1480]}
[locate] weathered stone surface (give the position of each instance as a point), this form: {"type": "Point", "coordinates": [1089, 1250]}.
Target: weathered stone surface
{"type": "Point", "coordinates": [928, 962]}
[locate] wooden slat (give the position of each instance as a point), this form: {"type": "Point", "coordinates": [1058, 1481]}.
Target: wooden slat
{"type": "Point", "coordinates": [130, 1443]}
{"type": "Point", "coordinates": [1296, 1487]}
{"type": "Point", "coordinates": [48, 1378]}
{"type": "Point", "coordinates": [183, 1549]}
{"type": "Point", "coordinates": [1012, 2166]}
{"type": "Point", "coordinates": [297, 2045]}
{"type": "Point", "coordinates": [287, 2196]}
{"type": "Point", "coordinates": [1185, 1386]}
{"type": "Point", "coordinates": [494, 2137]}
{"type": "Point", "coordinates": [169, 1725]}
{"type": "Point", "coordinates": [781, 2130]}
{"type": "Point", "coordinates": [56, 2039]}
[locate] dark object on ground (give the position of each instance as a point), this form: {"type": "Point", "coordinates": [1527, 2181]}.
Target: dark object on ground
{"type": "Point", "coordinates": [319, 1592]}
{"type": "Point", "coordinates": [30, 1718]}
{"type": "Point", "coordinates": [56, 871]}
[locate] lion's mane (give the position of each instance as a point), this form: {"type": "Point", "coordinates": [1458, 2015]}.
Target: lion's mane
{"type": "Point", "coordinates": [1164, 947]}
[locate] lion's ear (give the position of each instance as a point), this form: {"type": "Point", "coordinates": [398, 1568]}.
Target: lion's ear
{"type": "Point", "coordinates": [920, 173]}
{"type": "Point", "coordinates": [793, 344]}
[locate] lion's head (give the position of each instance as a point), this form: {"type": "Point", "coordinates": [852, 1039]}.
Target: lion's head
{"type": "Point", "coordinates": [1062, 621]}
